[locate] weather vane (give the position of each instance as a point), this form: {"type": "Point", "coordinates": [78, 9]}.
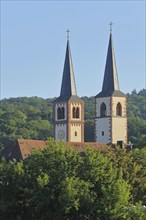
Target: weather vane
{"type": "Point", "coordinates": [68, 32]}
{"type": "Point", "coordinates": [111, 24]}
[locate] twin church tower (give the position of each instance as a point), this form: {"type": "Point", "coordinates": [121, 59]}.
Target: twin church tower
{"type": "Point", "coordinates": [110, 105]}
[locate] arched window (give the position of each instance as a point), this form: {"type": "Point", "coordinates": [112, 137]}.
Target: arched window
{"type": "Point", "coordinates": [103, 110]}
{"type": "Point", "coordinates": [119, 109]}
{"type": "Point", "coordinates": [74, 112]}
{"type": "Point", "coordinates": [77, 112]}
{"type": "Point", "coordinates": [63, 113]}
{"type": "Point", "coordinates": [75, 133]}
{"type": "Point", "coordinates": [60, 113]}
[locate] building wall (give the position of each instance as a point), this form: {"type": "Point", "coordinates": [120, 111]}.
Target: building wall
{"type": "Point", "coordinates": [63, 104]}
{"type": "Point", "coordinates": [76, 132]}
{"type": "Point", "coordinates": [61, 132]}
{"type": "Point", "coordinates": [76, 125]}
{"type": "Point", "coordinates": [103, 124]}
{"type": "Point", "coordinates": [119, 123]}
{"type": "Point", "coordinates": [119, 129]}
{"type": "Point", "coordinates": [70, 128]}
{"type": "Point", "coordinates": [75, 104]}
{"type": "Point", "coordinates": [115, 101]}
{"type": "Point", "coordinates": [99, 101]}
{"type": "Point", "coordinates": [103, 130]}
{"type": "Point", "coordinates": [111, 128]}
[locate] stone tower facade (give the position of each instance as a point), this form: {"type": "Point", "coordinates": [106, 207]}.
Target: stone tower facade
{"type": "Point", "coordinates": [111, 105]}
{"type": "Point", "coordinates": [68, 107]}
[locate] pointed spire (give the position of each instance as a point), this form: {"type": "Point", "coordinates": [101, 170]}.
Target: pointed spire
{"type": "Point", "coordinates": [110, 82]}
{"type": "Point", "coordinates": [68, 87]}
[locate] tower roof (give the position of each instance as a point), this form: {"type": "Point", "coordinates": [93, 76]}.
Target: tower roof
{"type": "Point", "coordinates": [110, 82]}
{"type": "Point", "coordinates": [68, 86]}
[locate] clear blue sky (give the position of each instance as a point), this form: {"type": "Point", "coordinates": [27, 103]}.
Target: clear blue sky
{"type": "Point", "coordinates": [33, 44]}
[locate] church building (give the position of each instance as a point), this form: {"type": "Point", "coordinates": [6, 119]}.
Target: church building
{"type": "Point", "coordinates": [68, 107]}
{"type": "Point", "coordinates": [111, 105]}
{"type": "Point", "coordinates": [110, 113]}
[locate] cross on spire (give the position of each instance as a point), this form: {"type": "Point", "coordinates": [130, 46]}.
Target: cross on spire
{"type": "Point", "coordinates": [111, 24]}
{"type": "Point", "coordinates": [68, 32]}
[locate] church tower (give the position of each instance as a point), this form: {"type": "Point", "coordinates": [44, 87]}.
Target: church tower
{"type": "Point", "coordinates": [68, 107]}
{"type": "Point", "coordinates": [111, 105]}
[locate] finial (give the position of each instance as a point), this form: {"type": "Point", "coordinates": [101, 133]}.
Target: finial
{"type": "Point", "coordinates": [111, 24]}
{"type": "Point", "coordinates": [68, 31]}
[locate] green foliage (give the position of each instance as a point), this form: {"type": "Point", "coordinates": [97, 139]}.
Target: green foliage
{"type": "Point", "coordinates": [11, 189]}
{"type": "Point", "coordinates": [32, 118]}
{"type": "Point", "coordinates": [89, 107]}
{"type": "Point", "coordinates": [89, 132]}
{"type": "Point", "coordinates": [28, 118]}
{"type": "Point", "coordinates": [61, 183]}
{"type": "Point", "coordinates": [137, 117]}
{"type": "Point", "coordinates": [136, 211]}
{"type": "Point", "coordinates": [139, 156]}
{"type": "Point", "coordinates": [136, 108]}
{"type": "Point", "coordinates": [110, 193]}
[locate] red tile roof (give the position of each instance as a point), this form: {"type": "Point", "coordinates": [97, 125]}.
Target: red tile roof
{"type": "Point", "coordinates": [22, 148]}
{"type": "Point", "coordinates": [26, 146]}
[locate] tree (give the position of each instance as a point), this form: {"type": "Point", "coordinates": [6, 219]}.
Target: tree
{"type": "Point", "coordinates": [19, 115]}
{"type": "Point", "coordinates": [111, 192]}
{"type": "Point", "coordinates": [89, 131]}
{"type": "Point", "coordinates": [12, 184]}
{"type": "Point", "coordinates": [139, 156]}
{"type": "Point", "coordinates": [61, 183]}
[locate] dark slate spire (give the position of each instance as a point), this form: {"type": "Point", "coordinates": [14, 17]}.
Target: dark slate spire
{"type": "Point", "coordinates": [68, 87]}
{"type": "Point", "coordinates": [110, 82]}
{"type": "Point", "coordinates": [110, 85]}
